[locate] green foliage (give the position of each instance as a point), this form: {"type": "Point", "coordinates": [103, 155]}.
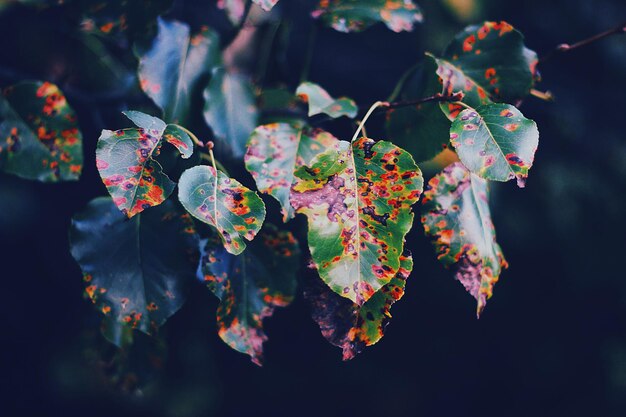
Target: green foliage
{"type": "Point", "coordinates": [321, 102]}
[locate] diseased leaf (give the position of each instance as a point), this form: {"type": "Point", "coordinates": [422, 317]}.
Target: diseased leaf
{"type": "Point", "coordinates": [357, 15]}
{"type": "Point", "coordinates": [125, 161]}
{"type": "Point", "coordinates": [358, 203]}
{"type": "Point", "coordinates": [137, 272]}
{"type": "Point", "coordinates": [222, 202]}
{"type": "Point", "coordinates": [230, 109]}
{"type": "Point", "coordinates": [487, 61]}
{"type": "Point", "coordinates": [321, 102]}
{"type": "Point", "coordinates": [422, 129]}
{"type": "Point", "coordinates": [39, 135]}
{"type": "Point", "coordinates": [495, 142]}
{"type": "Point", "coordinates": [350, 326]}
{"type": "Point", "coordinates": [276, 151]}
{"type": "Point", "coordinates": [250, 286]}
{"type": "Point", "coordinates": [455, 214]}
{"type": "Point", "coordinates": [171, 68]}
{"type": "Point", "coordinates": [266, 5]}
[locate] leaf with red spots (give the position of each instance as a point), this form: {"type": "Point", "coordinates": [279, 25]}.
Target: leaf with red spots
{"type": "Point", "coordinates": [358, 203]}
{"type": "Point", "coordinates": [125, 161]}
{"type": "Point", "coordinates": [357, 15]}
{"type": "Point", "coordinates": [495, 142]}
{"type": "Point", "coordinates": [137, 272]}
{"type": "Point", "coordinates": [39, 135]}
{"type": "Point", "coordinates": [222, 202]}
{"type": "Point", "coordinates": [250, 286]}
{"type": "Point", "coordinates": [321, 102]}
{"type": "Point", "coordinates": [455, 214]}
{"type": "Point", "coordinates": [350, 326]}
{"type": "Point", "coordinates": [171, 68]}
{"type": "Point", "coordinates": [230, 109]}
{"type": "Point", "coordinates": [487, 61]}
{"type": "Point", "coordinates": [276, 151]}
{"type": "Point", "coordinates": [422, 129]}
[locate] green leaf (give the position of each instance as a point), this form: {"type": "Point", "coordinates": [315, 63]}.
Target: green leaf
{"type": "Point", "coordinates": [455, 214]}
{"type": "Point", "coordinates": [279, 105]}
{"type": "Point", "coordinates": [250, 286]}
{"type": "Point", "coordinates": [222, 202]}
{"type": "Point", "coordinates": [350, 326]}
{"type": "Point", "coordinates": [230, 109]}
{"type": "Point", "coordinates": [495, 142]}
{"type": "Point", "coordinates": [137, 272]}
{"type": "Point", "coordinates": [39, 135]}
{"type": "Point", "coordinates": [276, 151]}
{"type": "Point", "coordinates": [125, 161]}
{"type": "Point", "coordinates": [422, 129]}
{"type": "Point", "coordinates": [357, 15]}
{"type": "Point", "coordinates": [171, 68]}
{"type": "Point", "coordinates": [321, 102]}
{"type": "Point", "coordinates": [487, 61]}
{"type": "Point", "coordinates": [359, 210]}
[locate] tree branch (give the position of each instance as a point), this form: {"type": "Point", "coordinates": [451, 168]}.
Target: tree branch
{"type": "Point", "coordinates": [565, 47]}
{"type": "Point", "coordinates": [458, 96]}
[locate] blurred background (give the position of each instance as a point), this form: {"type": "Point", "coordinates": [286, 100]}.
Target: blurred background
{"type": "Point", "coordinates": [551, 342]}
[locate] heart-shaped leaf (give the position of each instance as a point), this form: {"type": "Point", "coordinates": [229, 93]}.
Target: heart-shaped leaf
{"type": "Point", "coordinates": [250, 286]}
{"type": "Point", "coordinates": [230, 109]}
{"type": "Point", "coordinates": [137, 272]}
{"type": "Point", "coordinates": [39, 136]}
{"type": "Point", "coordinates": [350, 326]}
{"type": "Point", "coordinates": [358, 203]}
{"type": "Point", "coordinates": [455, 214]}
{"type": "Point", "coordinates": [125, 161]}
{"type": "Point", "coordinates": [171, 68]}
{"type": "Point", "coordinates": [222, 202]}
{"type": "Point", "coordinates": [356, 15]}
{"type": "Point", "coordinates": [321, 102]}
{"type": "Point", "coordinates": [495, 142]}
{"type": "Point", "coordinates": [276, 151]}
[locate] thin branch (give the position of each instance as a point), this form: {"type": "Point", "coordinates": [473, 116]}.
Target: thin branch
{"type": "Point", "coordinates": [458, 96]}
{"type": "Point", "coordinates": [565, 47]}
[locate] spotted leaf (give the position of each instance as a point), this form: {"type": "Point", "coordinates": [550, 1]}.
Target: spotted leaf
{"type": "Point", "coordinates": [455, 214]}
{"type": "Point", "coordinates": [222, 202]}
{"type": "Point", "coordinates": [250, 286]}
{"type": "Point", "coordinates": [487, 62]}
{"type": "Point", "coordinates": [276, 151]}
{"type": "Point", "coordinates": [422, 129]}
{"type": "Point", "coordinates": [39, 135]}
{"type": "Point", "coordinates": [357, 15]}
{"type": "Point", "coordinates": [350, 326]}
{"type": "Point", "coordinates": [321, 102]}
{"type": "Point", "coordinates": [358, 214]}
{"type": "Point", "coordinates": [172, 66]}
{"type": "Point", "coordinates": [137, 272]}
{"type": "Point", "coordinates": [125, 161]}
{"type": "Point", "coordinates": [113, 18]}
{"type": "Point", "coordinates": [495, 142]}
{"type": "Point", "coordinates": [230, 109]}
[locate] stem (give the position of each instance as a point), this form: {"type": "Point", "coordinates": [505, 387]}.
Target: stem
{"type": "Point", "coordinates": [193, 137]}
{"type": "Point", "coordinates": [564, 47]}
{"type": "Point", "coordinates": [398, 89]}
{"type": "Point", "coordinates": [458, 96]}
{"type": "Point", "coordinates": [367, 116]}
{"type": "Point", "coordinates": [546, 96]}
{"type": "Point", "coordinates": [221, 167]}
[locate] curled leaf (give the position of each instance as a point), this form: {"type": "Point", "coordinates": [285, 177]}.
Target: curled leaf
{"type": "Point", "coordinates": [321, 102]}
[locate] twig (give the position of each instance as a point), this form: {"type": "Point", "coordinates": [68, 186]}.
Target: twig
{"type": "Point", "coordinates": [565, 47]}
{"type": "Point", "coordinates": [458, 96]}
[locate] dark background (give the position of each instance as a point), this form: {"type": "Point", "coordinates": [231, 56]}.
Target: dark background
{"type": "Point", "coordinates": [551, 342]}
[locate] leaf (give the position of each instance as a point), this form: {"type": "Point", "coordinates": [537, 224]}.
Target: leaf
{"type": "Point", "coordinates": [357, 15]}
{"type": "Point", "coordinates": [455, 214]}
{"type": "Point", "coordinates": [495, 142]}
{"type": "Point", "coordinates": [250, 286]}
{"type": "Point", "coordinates": [279, 105]}
{"type": "Point", "coordinates": [39, 135]}
{"type": "Point", "coordinates": [266, 5]}
{"type": "Point", "coordinates": [230, 109]}
{"type": "Point", "coordinates": [353, 327]}
{"type": "Point", "coordinates": [125, 161]}
{"type": "Point", "coordinates": [235, 9]}
{"type": "Point", "coordinates": [423, 129]}
{"type": "Point", "coordinates": [137, 272]}
{"type": "Point", "coordinates": [222, 202]}
{"type": "Point", "coordinates": [358, 205]}
{"type": "Point", "coordinates": [487, 61]}
{"type": "Point", "coordinates": [321, 102]}
{"type": "Point", "coordinates": [276, 151]}
{"type": "Point", "coordinates": [171, 68]}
